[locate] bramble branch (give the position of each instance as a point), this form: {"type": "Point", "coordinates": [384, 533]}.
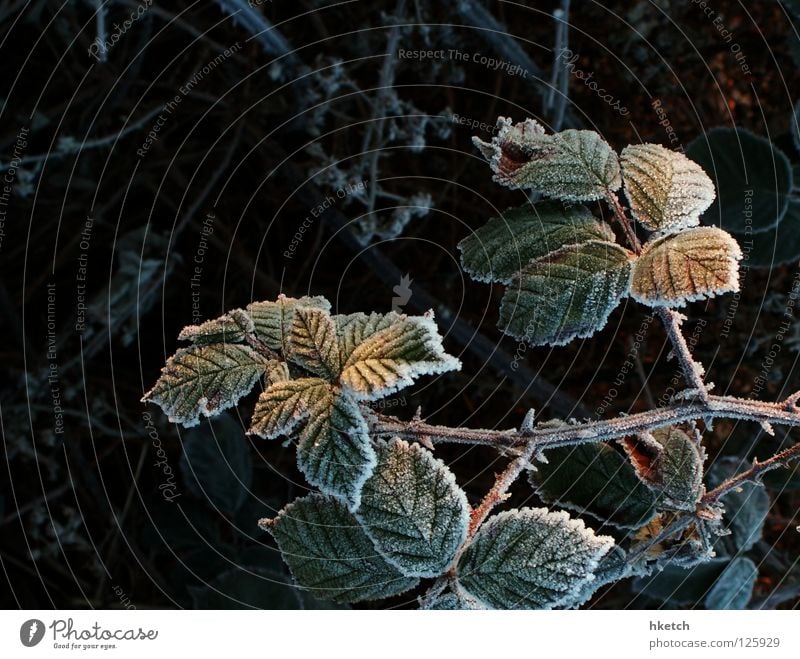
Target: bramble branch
{"type": "Point", "coordinates": [754, 474]}
{"type": "Point", "coordinates": [568, 434]}
{"type": "Point", "coordinates": [693, 372]}
{"type": "Point", "coordinates": [499, 491]}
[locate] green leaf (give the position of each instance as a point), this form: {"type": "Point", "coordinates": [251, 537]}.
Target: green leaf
{"type": "Point", "coordinates": [739, 162]}
{"type": "Point", "coordinates": [389, 359]}
{"type": "Point", "coordinates": [204, 380]}
{"type": "Point", "coordinates": [230, 328]}
{"type": "Point", "coordinates": [692, 265]}
{"type": "Point", "coordinates": [273, 320]}
{"type": "Point", "coordinates": [504, 245]}
{"type": "Point", "coordinates": [334, 452]}
{"type": "Point", "coordinates": [734, 587]}
{"type": "Point", "coordinates": [746, 509]}
{"type": "Point", "coordinates": [413, 510]}
{"type": "Point", "coordinates": [573, 165]}
{"type": "Point", "coordinates": [216, 463]}
{"type": "Point", "coordinates": [329, 554]}
{"type": "Point", "coordinates": [283, 405]}
{"type": "Point", "coordinates": [671, 463]}
{"type": "Point", "coordinates": [566, 295]}
{"type": "Point", "coordinates": [531, 559]}
{"type": "Point", "coordinates": [312, 342]}
{"type": "Point", "coordinates": [594, 479]}
{"type": "Point", "coordinates": [612, 567]}
{"type": "Point", "coordinates": [666, 190]}
{"type": "Point", "coordinates": [776, 246]}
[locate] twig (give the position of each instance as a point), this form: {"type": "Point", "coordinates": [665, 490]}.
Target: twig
{"type": "Point", "coordinates": [499, 491]}
{"type": "Point", "coordinates": [175, 20]}
{"type": "Point", "coordinates": [754, 474]}
{"type": "Point", "coordinates": [379, 118]}
{"type": "Point", "coordinates": [101, 29]}
{"type": "Point", "coordinates": [65, 148]}
{"type": "Point", "coordinates": [571, 434]}
{"type": "Point", "coordinates": [559, 80]}
{"type": "Point", "coordinates": [270, 38]}
{"type": "Point", "coordinates": [623, 221]}
{"type": "Point", "coordinates": [693, 371]}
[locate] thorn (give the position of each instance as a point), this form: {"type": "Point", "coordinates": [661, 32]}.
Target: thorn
{"type": "Point", "coordinates": [426, 441]}
{"type": "Point", "coordinates": [767, 427]}
{"type": "Point", "coordinates": [791, 402]}
{"type": "Point", "coordinates": [526, 428]}
{"type": "Point", "coordinates": [418, 413]}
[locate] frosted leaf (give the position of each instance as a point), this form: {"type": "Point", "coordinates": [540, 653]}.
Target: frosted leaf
{"type": "Point", "coordinates": [566, 295]}
{"type": "Point", "coordinates": [734, 587]}
{"type": "Point", "coordinates": [451, 601]}
{"type": "Point", "coordinates": [312, 343]}
{"type": "Point", "coordinates": [692, 265]}
{"type": "Point", "coordinates": [391, 358]}
{"type": "Point", "coordinates": [413, 510]}
{"type": "Point", "coordinates": [354, 328]}
{"type": "Point", "coordinates": [273, 320]}
{"type": "Point", "coordinates": [671, 463]}
{"type": "Point", "coordinates": [612, 567]}
{"type": "Point", "coordinates": [283, 405]}
{"type": "Point", "coordinates": [205, 379]}
{"type": "Point", "coordinates": [329, 554]}
{"type": "Point", "coordinates": [594, 479]}
{"type": "Point", "coordinates": [666, 190]}
{"type": "Point", "coordinates": [230, 328]}
{"type": "Point", "coordinates": [531, 559]}
{"type": "Point", "coordinates": [334, 452]}
{"type": "Point", "coordinates": [573, 165]}
{"type": "Point", "coordinates": [504, 245]}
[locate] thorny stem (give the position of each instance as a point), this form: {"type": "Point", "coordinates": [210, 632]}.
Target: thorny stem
{"type": "Point", "coordinates": [623, 221]}
{"type": "Point", "coordinates": [754, 474]}
{"type": "Point", "coordinates": [692, 371]}
{"type": "Point", "coordinates": [495, 496]}
{"type": "Point", "coordinates": [570, 434]}
{"type": "Point", "coordinates": [499, 491]}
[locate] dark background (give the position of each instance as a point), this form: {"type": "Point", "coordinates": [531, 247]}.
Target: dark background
{"type": "Point", "coordinates": [261, 138]}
